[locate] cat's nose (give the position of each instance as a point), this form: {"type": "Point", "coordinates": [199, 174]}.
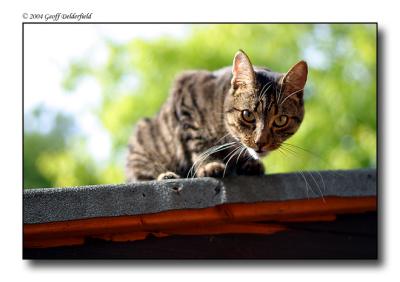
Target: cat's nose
{"type": "Point", "coordinates": [260, 146]}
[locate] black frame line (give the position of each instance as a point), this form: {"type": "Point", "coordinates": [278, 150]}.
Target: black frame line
{"type": "Point", "coordinates": [378, 90]}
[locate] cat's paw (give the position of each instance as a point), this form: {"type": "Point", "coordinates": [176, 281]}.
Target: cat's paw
{"type": "Point", "coordinates": [251, 167]}
{"type": "Point", "coordinates": [212, 169]}
{"type": "Point", "coordinates": [168, 175]}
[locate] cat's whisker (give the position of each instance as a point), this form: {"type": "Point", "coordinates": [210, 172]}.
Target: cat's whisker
{"type": "Point", "coordinates": [296, 147]}
{"type": "Point", "coordinates": [290, 95]}
{"type": "Point", "coordinates": [227, 156]}
{"type": "Point", "coordinates": [282, 149]}
{"type": "Point", "coordinates": [322, 179]}
{"type": "Point", "coordinates": [291, 152]}
{"type": "Point", "coordinates": [304, 150]}
{"type": "Point", "coordinates": [262, 89]}
{"type": "Point", "coordinates": [198, 164]}
{"type": "Point", "coordinates": [262, 92]}
{"type": "Point", "coordinates": [223, 137]}
{"type": "Point", "coordinates": [266, 90]}
{"type": "Point", "coordinates": [280, 92]}
{"type": "Point", "coordinates": [193, 170]}
{"type": "Point", "coordinates": [210, 151]}
{"type": "Point", "coordinates": [243, 149]}
{"type": "Point", "coordinates": [299, 150]}
{"type": "Point", "coordinates": [287, 150]}
{"type": "Point", "coordinates": [207, 153]}
{"type": "Point", "coordinates": [248, 155]}
{"type": "Point", "coordinates": [316, 184]}
{"type": "Point", "coordinates": [227, 163]}
{"type": "Point", "coordinates": [299, 173]}
{"type": "Point", "coordinates": [307, 184]}
{"type": "Point", "coordinates": [200, 158]}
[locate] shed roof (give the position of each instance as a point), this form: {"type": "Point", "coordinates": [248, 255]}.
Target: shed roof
{"type": "Point", "coordinates": [257, 205]}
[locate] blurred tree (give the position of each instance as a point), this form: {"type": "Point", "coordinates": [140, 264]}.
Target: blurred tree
{"type": "Point", "coordinates": [37, 143]}
{"type": "Point", "coordinates": [339, 130]}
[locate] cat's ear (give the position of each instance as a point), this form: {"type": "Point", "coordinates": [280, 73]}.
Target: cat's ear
{"type": "Point", "coordinates": [242, 71]}
{"type": "Point", "coordinates": [295, 79]}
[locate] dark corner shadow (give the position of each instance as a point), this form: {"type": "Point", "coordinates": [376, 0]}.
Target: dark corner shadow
{"type": "Point", "coordinates": [325, 263]}
{"type": "Point", "coordinates": [381, 122]}
{"type": "Point", "coordinates": [211, 263]}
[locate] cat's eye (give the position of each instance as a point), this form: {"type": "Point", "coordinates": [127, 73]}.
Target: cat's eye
{"type": "Point", "coordinates": [248, 116]}
{"type": "Point", "coordinates": [281, 121]}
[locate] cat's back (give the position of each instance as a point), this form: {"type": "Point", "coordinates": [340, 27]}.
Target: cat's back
{"type": "Point", "coordinates": [194, 91]}
{"type": "Point", "coordinates": [197, 82]}
{"type": "Point", "coordinates": [187, 117]}
{"type": "Point", "coordinates": [191, 91]}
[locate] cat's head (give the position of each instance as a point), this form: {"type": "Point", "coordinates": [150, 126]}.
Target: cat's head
{"type": "Point", "coordinates": [264, 108]}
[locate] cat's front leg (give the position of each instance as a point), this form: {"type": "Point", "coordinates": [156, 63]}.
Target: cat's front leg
{"type": "Point", "coordinates": [211, 169]}
{"type": "Point", "coordinates": [167, 175]}
{"type": "Point", "coordinates": [251, 167]}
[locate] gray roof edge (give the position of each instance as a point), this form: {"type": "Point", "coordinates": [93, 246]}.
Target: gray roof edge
{"type": "Point", "coordinates": [71, 203]}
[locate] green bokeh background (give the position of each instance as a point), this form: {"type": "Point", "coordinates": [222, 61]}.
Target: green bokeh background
{"type": "Point", "coordinates": [338, 132]}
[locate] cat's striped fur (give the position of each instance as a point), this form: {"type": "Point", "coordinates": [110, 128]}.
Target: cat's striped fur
{"type": "Point", "coordinates": [237, 112]}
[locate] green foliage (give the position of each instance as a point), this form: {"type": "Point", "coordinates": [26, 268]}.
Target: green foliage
{"type": "Point", "coordinates": [339, 129]}
{"type": "Point", "coordinates": [37, 144]}
{"type": "Point", "coordinates": [59, 157]}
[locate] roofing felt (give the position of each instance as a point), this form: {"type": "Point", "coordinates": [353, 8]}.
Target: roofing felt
{"type": "Point", "coordinates": [73, 203]}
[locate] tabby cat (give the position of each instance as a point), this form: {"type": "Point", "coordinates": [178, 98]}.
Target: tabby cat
{"type": "Point", "coordinates": [219, 123]}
